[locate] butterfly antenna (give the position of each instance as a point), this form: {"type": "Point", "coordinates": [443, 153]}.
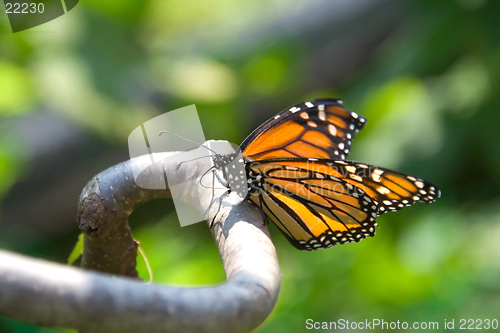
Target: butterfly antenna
{"type": "Point", "coordinates": [181, 137]}
{"type": "Point", "coordinates": [199, 144]}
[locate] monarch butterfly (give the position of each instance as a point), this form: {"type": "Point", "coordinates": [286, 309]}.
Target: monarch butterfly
{"type": "Point", "coordinates": [298, 176]}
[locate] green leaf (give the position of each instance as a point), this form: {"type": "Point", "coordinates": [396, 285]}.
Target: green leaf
{"type": "Point", "coordinates": [77, 250]}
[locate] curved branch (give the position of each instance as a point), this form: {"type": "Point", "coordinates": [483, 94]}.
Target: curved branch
{"type": "Point", "coordinates": [103, 209]}
{"type": "Point", "coordinates": [92, 301]}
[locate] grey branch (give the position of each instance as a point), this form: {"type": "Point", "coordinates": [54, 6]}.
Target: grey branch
{"type": "Point", "coordinates": [49, 294]}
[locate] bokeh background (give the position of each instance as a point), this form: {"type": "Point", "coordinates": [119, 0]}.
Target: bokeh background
{"type": "Point", "coordinates": [424, 73]}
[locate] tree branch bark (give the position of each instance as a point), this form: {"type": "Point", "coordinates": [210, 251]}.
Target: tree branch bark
{"type": "Point", "coordinates": [48, 294]}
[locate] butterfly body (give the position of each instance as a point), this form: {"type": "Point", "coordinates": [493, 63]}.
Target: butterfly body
{"type": "Point", "coordinates": [297, 173]}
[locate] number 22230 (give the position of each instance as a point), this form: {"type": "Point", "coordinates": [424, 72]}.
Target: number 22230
{"type": "Point", "coordinates": [24, 8]}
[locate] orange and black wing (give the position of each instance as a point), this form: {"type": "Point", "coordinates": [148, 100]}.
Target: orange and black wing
{"type": "Point", "coordinates": [322, 128]}
{"type": "Point", "coordinates": [320, 203]}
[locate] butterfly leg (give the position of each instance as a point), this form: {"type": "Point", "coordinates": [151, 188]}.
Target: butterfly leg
{"type": "Point", "coordinates": [212, 187]}
{"type": "Point", "coordinates": [218, 208]}
{"type": "Point", "coordinates": [262, 211]}
{"type": "Point", "coordinates": [212, 199]}
{"type": "Point", "coordinates": [225, 194]}
{"type": "Point", "coordinates": [213, 193]}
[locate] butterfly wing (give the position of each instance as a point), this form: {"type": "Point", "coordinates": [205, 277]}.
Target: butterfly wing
{"type": "Point", "coordinates": [322, 128]}
{"type": "Point", "coordinates": [391, 190]}
{"type": "Point", "coordinates": [320, 203]}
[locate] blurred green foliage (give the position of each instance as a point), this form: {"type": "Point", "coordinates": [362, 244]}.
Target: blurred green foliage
{"type": "Point", "coordinates": [430, 91]}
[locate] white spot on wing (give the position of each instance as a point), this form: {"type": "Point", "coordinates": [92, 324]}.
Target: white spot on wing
{"type": "Point", "coordinates": [332, 129]}
{"type": "Point", "coordinates": [383, 190]}
{"type": "Point", "coordinates": [309, 104]}
{"type": "Point", "coordinates": [294, 109]}
{"type": "Point", "coordinates": [322, 115]}
{"type": "Point", "coordinates": [355, 177]}
{"type": "Point", "coordinates": [351, 168]}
